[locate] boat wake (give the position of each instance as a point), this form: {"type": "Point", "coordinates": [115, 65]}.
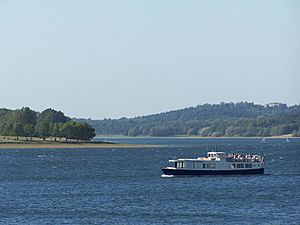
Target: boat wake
{"type": "Point", "coordinates": [164, 175]}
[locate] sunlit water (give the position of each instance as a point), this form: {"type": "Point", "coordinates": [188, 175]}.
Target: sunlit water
{"type": "Point", "coordinates": [124, 186]}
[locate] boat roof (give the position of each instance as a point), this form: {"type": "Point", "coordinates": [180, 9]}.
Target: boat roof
{"type": "Point", "coordinates": [212, 152]}
{"type": "Point", "coordinates": [197, 159]}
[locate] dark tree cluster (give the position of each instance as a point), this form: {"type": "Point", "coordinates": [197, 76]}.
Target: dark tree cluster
{"type": "Point", "coordinates": [209, 120]}
{"type": "Point", "coordinates": [49, 123]}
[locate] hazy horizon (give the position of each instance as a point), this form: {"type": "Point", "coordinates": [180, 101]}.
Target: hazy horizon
{"type": "Point", "coordinates": [112, 59]}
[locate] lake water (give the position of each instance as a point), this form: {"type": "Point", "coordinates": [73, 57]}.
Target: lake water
{"type": "Point", "coordinates": [124, 186]}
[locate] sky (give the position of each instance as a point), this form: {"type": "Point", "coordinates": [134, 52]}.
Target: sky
{"type": "Point", "coordinates": [126, 58]}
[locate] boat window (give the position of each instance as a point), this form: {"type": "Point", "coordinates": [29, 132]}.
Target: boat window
{"type": "Point", "coordinates": [183, 164]}
{"type": "Point", "coordinates": [211, 165]}
{"type": "Point", "coordinates": [233, 165]}
{"type": "Point", "coordinates": [240, 165]}
{"type": "Point", "coordinates": [175, 165]}
{"type": "Point", "coordinates": [248, 165]}
{"type": "Point", "coordinates": [203, 165]}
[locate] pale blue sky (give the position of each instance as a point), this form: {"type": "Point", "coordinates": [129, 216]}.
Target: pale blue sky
{"type": "Point", "coordinates": [98, 59]}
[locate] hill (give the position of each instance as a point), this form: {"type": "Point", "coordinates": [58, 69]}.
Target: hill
{"type": "Point", "coordinates": [209, 120]}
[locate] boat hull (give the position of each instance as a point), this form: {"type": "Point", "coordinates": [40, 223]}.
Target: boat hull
{"type": "Point", "coordinates": [168, 171]}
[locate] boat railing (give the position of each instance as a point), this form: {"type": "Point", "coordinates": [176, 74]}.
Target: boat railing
{"type": "Point", "coordinates": [243, 158]}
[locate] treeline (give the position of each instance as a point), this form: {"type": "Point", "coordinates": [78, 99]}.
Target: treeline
{"type": "Point", "coordinates": [49, 123]}
{"type": "Point", "coordinates": [210, 120]}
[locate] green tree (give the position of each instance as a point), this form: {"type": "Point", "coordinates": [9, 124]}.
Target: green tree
{"type": "Point", "coordinates": [43, 130]}
{"type": "Point", "coordinates": [52, 116]}
{"type": "Point", "coordinates": [19, 122]}
{"type": "Point", "coordinates": [46, 121]}
{"type": "Point", "coordinates": [28, 130]}
{"type": "Point", "coordinates": [78, 131]}
{"type": "Point", "coordinates": [56, 130]}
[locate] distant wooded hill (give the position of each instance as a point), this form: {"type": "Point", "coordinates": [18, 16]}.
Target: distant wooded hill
{"type": "Point", "coordinates": [49, 123]}
{"type": "Point", "coordinates": [209, 120]}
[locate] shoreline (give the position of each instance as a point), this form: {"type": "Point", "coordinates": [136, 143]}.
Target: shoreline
{"type": "Point", "coordinates": [12, 142]}
{"type": "Point", "coordinates": [110, 145]}
{"type": "Point", "coordinates": [121, 137]}
{"type": "Point", "coordinates": [71, 145]}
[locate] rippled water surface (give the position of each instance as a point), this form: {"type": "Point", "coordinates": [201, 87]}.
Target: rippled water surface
{"type": "Point", "coordinates": [104, 186]}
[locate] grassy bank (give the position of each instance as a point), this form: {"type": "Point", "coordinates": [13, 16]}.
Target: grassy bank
{"type": "Point", "coordinates": [33, 142]}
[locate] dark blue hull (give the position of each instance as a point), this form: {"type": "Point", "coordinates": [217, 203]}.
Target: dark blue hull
{"type": "Point", "coordinates": [168, 171]}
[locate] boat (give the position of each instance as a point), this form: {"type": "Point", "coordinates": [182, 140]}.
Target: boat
{"type": "Point", "coordinates": [217, 163]}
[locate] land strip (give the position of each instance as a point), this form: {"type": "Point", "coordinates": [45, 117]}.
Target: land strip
{"type": "Point", "coordinates": [25, 142]}
{"type": "Point", "coordinates": [71, 145]}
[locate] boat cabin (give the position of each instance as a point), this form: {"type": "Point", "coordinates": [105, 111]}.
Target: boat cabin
{"type": "Point", "coordinates": [217, 163]}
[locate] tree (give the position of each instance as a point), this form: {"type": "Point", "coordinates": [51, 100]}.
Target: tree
{"type": "Point", "coordinates": [56, 127]}
{"type": "Point", "coordinates": [26, 122]}
{"type": "Point", "coordinates": [52, 116]}
{"type": "Point", "coordinates": [46, 121]}
{"type": "Point", "coordinates": [19, 122]}
{"type": "Point", "coordinates": [43, 130]}
{"type": "Point", "coordinates": [28, 130]}
{"type": "Point", "coordinates": [86, 131]}
{"type": "Point", "coordinates": [78, 131]}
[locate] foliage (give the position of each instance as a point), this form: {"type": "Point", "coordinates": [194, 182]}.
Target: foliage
{"type": "Point", "coordinates": [76, 130]}
{"type": "Point", "coordinates": [49, 123]}
{"type": "Point", "coordinates": [18, 122]}
{"type": "Point", "coordinates": [208, 120]}
{"type": "Point", "coordinates": [26, 122]}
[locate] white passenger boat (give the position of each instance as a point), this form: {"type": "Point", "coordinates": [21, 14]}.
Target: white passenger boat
{"type": "Point", "coordinates": [217, 163]}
